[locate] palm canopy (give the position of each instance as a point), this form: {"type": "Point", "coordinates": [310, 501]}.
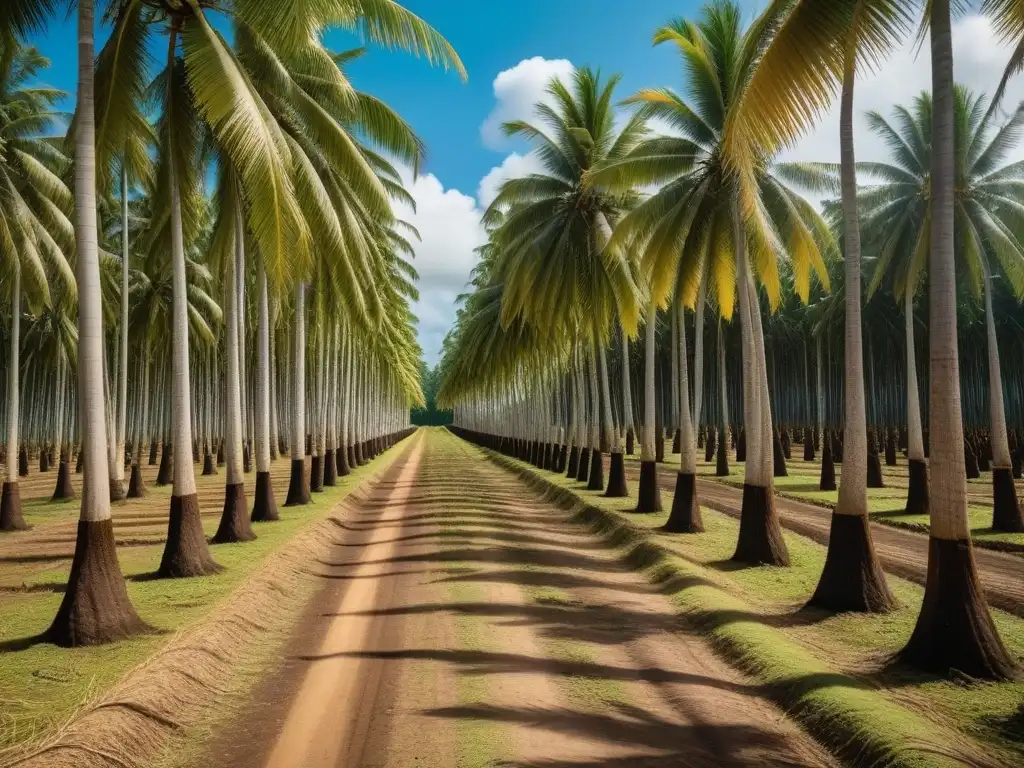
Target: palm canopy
{"type": "Point", "coordinates": [685, 231]}
{"type": "Point", "coordinates": [989, 217]}
{"type": "Point", "coordinates": [35, 202]}
{"type": "Point", "coordinates": [551, 229]}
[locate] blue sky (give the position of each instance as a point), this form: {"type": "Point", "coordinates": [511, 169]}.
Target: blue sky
{"type": "Point", "coordinates": [510, 50]}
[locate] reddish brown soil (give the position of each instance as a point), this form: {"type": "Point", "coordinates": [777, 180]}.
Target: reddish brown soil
{"type": "Point", "coordinates": [464, 622]}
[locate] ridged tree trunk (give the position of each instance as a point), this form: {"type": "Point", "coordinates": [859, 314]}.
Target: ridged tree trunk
{"type": "Point", "coordinates": [95, 608]}
{"type": "Point", "coordinates": [852, 579]}
{"type": "Point", "coordinates": [11, 518]}
{"type": "Point", "coordinates": [264, 507]}
{"type": "Point", "coordinates": [649, 494]}
{"type": "Point", "coordinates": [1006, 513]}
{"type": "Point", "coordinates": [185, 552]}
{"type": "Point", "coordinates": [234, 520]}
{"type": "Point", "coordinates": [628, 428]}
{"type": "Point", "coordinates": [117, 489]}
{"type": "Point", "coordinates": [760, 536]}
{"type": "Point", "coordinates": [917, 493]}
{"type": "Point", "coordinates": [954, 629]}
{"type": "Point", "coordinates": [685, 516]}
{"type": "Point", "coordinates": [298, 485]}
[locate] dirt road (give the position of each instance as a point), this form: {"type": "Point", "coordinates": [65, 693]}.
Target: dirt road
{"type": "Point", "coordinates": [462, 622]}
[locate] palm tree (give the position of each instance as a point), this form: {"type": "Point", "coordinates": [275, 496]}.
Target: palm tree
{"type": "Point", "coordinates": [35, 230]}
{"type": "Point", "coordinates": [988, 215]}
{"type": "Point", "coordinates": [553, 240]}
{"type": "Point", "coordinates": [954, 629]}
{"type": "Point", "coordinates": [95, 607]}
{"type": "Point", "coordinates": [700, 227]}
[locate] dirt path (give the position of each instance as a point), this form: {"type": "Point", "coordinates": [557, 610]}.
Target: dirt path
{"type": "Point", "coordinates": [463, 622]}
{"type": "Point", "coordinates": [902, 553]}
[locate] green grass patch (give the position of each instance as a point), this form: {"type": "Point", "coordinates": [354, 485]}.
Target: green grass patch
{"type": "Point", "coordinates": [42, 685]}
{"type": "Point", "coordinates": [809, 663]}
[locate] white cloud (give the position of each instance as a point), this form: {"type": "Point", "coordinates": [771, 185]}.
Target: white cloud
{"type": "Point", "coordinates": [516, 91]}
{"type": "Point", "coordinates": [450, 229]}
{"type": "Point", "coordinates": [979, 60]}
{"type": "Point", "coordinates": [513, 166]}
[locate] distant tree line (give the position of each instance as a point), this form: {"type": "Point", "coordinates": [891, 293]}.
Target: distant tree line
{"type": "Point", "coordinates": [430, 415]}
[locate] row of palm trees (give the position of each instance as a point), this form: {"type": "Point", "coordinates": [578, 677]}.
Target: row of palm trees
{"type": "Point", "coordinates": [278, 303]}
{"type": "Point", "coordinates": [583, 255]}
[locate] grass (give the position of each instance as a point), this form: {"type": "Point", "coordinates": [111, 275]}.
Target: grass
{"type": "Point", "coordinates": [825, 668]}
{"type": "Point", "coordinates": [885, 505]}
{"type": "Point", "coordinates": [42, 685]}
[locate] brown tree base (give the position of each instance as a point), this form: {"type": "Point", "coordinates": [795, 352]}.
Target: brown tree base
{"type": "Point", "coordinates": [1018, 462]}
{"type": "Point", "coordinates": [341, 461]}
{"type": "Point", "coordinates": [79, 463]}
{"type": "Point", "coordinates": [563, 456]}
{"type": "Point", "coordinates": [44, 461]}
{"type": "Point", "coordinates": [827, 482]}
{"type": "Point", "coordinates": [152, 453]}
{"type": "Point", "coordinates": [23, 462]}
{"type": "Point", "coordinates": [165, 473]}
{"type": "Point", "coordinates": [659, 447]}
{"type": "Point", "coordinates": [137, 483]}
{"type": "Point", "coordinates": [316, 474]}
{"type": "Point", "coordinates": [549, 459]}
{"type": "Point", "coordinates": [64, 490]}
{"type": "Point", "coordinates": [954, 630]}
{"type": "Point", "coordinates": [185, 552]}
{"type": "Point", "coordinates": [330, 469]}
{"type": "Point", "coordinates": [617, 487]}
{"type": "Point", "coordinates": [96, 608]}
{"type": "Point", "coordinates": [573, 464]}
{"type": "Point", "coordinates": [917, 491]}
{"type": "Point", "coordinates": [583, 471]}
{"type": "Point", "coordinates": [778, 458]}
{"type": "Point", "coordinates": [787, 445]}
{"type": "Point", "coordinates": [11, 518]}
{"type": "Point", "coordinates": [648, 492]}
{"type": "Point", "coordinates": [890, 450]}
{"type": "Point", "coordinates": [358, 450]}
{"type": "Point", "coordinates": [741, 447]}
{"type": "Point", "coordinates": [722, 459]}
{"type": "Point", "coordinates": [852, 579]}
{"type": "Point", "coordinates": [675, 442]}
{"type": "Point", "coordinates": [350, 453]}
{"type": "Point", "coordinates": [971, 463]}
{"type": "Point", "coordinates": [685, 515]}
{"type": "Point", "coordinates": [264, 507]}
{"type": "Point", "coordinates": [760, 539]}
{"type": "Point", "coordinates": [1006, 514]}
{"type": "Point", "coordinates": [710, 444]}
{"type": "Point", "coordinates": [595, 480]}
{"type": "Point", "coordinates": [246, 459]}
{"type": "Point", "coordinates": [116, 489]}
{"type": "Point", "coordinates": [220, 454]}
{"type": "Point", "coordinates": [209, 467]}
{"type": "Point", "coordinates": [808, 445]}
{"type": "Point", "coordinates": [875, 478]}
{"type": "Point", "coordinates": [235, 525]}
{"type": "Point", "coordinates": [298, 485]}
{"type": "Point", "coordinates": [630, 442]}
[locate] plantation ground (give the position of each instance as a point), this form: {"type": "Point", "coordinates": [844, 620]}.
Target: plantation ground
{"type": "Point", "coordinates": [467, 610]}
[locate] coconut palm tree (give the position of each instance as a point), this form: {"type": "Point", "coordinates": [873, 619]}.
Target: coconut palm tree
{"type": "Point", "coordinates": [699, 223]}
{"type": "Point", "coordinates": [35, 227]}
{"type": "Point", "coordinates": [989, 216]}
{"type": "Point", "coordinates": [553, 239]}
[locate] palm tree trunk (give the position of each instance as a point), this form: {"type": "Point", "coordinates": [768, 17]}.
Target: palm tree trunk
{"type": "Point", "coordinates": [234, 520]}
{"type": "Point", "coordinates": [186, 552]}
{"type": "Point", "coordinates": [649, 494]}
{"type": "Point", "coordinates": [698, 357]}
{"type": "Point", "coordinates": [722, 460]}
{"type": "Point", "coordinates": [264, 507]}
{"type": "Point", "coordinates": [95, 608]}
{"type": "Point", "coordinates": [628, 428]}
{"type": "Point", "coordinates": [11, 518]}
{"type": "Point", "coordinates": [685, 516]}
{"type": "Point", "coordinates": [298, 486]}
{"type": "Point", "coordinates": [760, 537]}
{"type": "Point", "coordinates": [617, 487]}
{"type": "Point", "coordinates": [852, 579]}
{"type": "Point", "coordinates": [136, 483]}
{"type": "Point", "coordinates": [954, 629]}
{"type": "Point", "coordinates": [122, 366]}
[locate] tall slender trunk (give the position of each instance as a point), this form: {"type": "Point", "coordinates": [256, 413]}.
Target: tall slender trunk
{"type": "Point", "coordinates": [685, 516]}
{"type": "Point", "coordinates": [649, 494]}
{"type": "Point", "coordinates": [628, 428]}
{"type": "Point", "coordinates": [122, 366]}
{"type": "Point", "coordinates": [298, 486]}
{"type": "Point", "coordinates": [11, 518]}
{"type": "Point", "coordinates": [186, 552]}
{"type": "Point", "coordinates": [698, 356]}
{"type": "Point", "coordinates": [760, 536]}
{"type": "Point", "coordinates": [234, 521]}
{"type": "Point", "coordinates": [954, 629]}
{"type": "Point", "coordinates": [264, 507]}
{"type": "Point", "coordinates": [95, 608]}
{"type": "Point", "coordinates": [852, 579]}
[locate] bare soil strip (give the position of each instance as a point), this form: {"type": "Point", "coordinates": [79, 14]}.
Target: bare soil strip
{"type": "Point", "coordinates": [902, 552]}
{"type": "Point", "coordinates": [464, 622]}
